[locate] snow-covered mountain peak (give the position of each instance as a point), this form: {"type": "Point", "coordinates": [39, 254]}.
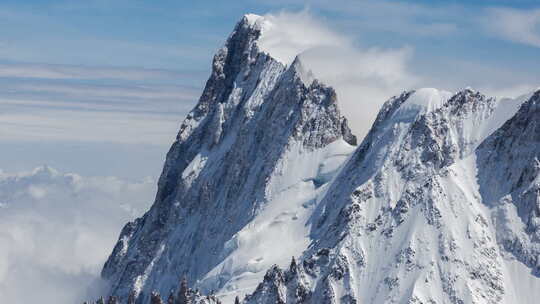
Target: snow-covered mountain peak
{"type": "Point", "coordinates": [436, 205]}
{"type": "Point", "coordinates": [249, 163]}
{"type": "Point", "coordinates": [429, 99]}
{"type": "Point", "coordinates": [422, 101]}
{"type": "Point", "coordinates": [264, 31]}
{"type": "Point", "coordinates": [252, 19]}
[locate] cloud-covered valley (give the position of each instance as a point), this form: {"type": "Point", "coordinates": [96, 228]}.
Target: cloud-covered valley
{"type": "Point", "coordinates": [56, 230]}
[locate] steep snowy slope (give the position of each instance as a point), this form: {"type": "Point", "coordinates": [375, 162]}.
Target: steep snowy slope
{"type": "Point", "coordinates": [243, 175]}
{"type": "Point", "coordinates": [409, 218]}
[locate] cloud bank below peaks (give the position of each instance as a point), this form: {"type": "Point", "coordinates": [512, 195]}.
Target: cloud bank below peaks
{"type": "Point", "coordinates": [57, 229]}
{"type": "Point", "coordinates": [362, 77]}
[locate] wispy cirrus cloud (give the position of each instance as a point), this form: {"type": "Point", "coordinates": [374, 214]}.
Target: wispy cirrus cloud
{"type": "Point", "coordinates": [41, 102]}
{"type": "Point", "coordinates": [517, 25]}
{"type": "Point", "coordinates": [64, 71]}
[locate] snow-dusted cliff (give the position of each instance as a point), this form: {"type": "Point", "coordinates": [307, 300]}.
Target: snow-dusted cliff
{"type": "Point", "coordinates": [440, 203]}
{"type": "Point", "coordinates": [241, 179]}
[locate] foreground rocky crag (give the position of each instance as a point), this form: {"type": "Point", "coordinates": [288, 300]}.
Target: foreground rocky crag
{"type": "Point", "coordinates": [440, 203]}
{"type": "Point", "coordinates": [184, 295]}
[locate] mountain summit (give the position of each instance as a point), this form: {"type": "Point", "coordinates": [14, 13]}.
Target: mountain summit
{"type": "Point", "coordinates": [440, 202]}
{"type": "Point", "coordinates": [242, 176]}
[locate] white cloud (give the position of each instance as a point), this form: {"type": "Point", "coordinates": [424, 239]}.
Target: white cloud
{"type": "Point", "coordinates": [286, 34]}
{"type": "Point", "coordinates": [406, 18]}
{"type": "Point", "coordinates": [511, 91]}
{"type": "Point", "coordinates": [522, 26]}
{"type": "Point", "coordinates": [56, 231]}
{"type": "Point", "coordinates": [362, 77]}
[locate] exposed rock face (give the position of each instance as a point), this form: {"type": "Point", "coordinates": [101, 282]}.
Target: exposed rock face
{"type": "Point", "coordinates": [440, 203]}
{"type": "Point", "coordinates": [231, 158]}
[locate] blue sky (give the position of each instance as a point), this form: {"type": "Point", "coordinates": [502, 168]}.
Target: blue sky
{"type": "Point", "coordinates": [184, 34]}
{"type": "Point", "coordinates": [102, 77]}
